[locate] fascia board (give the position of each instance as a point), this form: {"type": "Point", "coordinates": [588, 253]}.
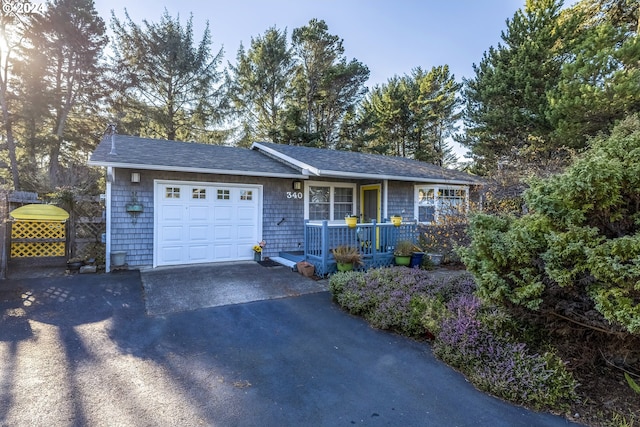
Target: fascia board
{"type": "Point", "coordinates": [197, 170]}
{"type": "Point", "coordinates": [340, 174]}
{"type": "Point", "coordinates": [288, 159]}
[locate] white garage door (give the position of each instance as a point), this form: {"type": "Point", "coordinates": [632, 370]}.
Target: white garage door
{"type": "Point", "coordinates": [197, 222]}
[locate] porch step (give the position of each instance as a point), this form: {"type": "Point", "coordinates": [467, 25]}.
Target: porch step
{"type": "Point", "coordinates": [292, 255]}
{"type": "Point", "coordinates": [285, 262]}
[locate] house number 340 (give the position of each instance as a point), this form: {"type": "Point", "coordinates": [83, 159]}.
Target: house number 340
{"type": "Point", "coordinates": [294, 195]}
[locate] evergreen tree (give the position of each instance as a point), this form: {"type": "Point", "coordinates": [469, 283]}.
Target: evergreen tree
{"type": "Point", "coordinates": [11, 31]}
{"type": "Point", "coordinates": [437, 111]}
{"type": "Point", "coordinates": [601, 83]}
{"type": "Point", "coordinates": [61, 79]}
{"type": "Point", "coordinates": [259, 84]}
{"type": "Point", "coordinates": [506, 115]}
{"type": "Point", "coordinates": [166, 86]}
{"type": "Point", "coordinates": [413, 116]}
{"type": "Point", "coordinates": [324, 88]}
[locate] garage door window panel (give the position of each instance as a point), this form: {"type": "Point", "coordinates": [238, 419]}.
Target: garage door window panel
{"type": "Point", "coordinates": [172, 192]}
{"type": "Point", "coordinates": [199, 193]}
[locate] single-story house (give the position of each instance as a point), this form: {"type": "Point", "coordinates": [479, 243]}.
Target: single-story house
{"type": "Point", "coordinates": [171, 203]}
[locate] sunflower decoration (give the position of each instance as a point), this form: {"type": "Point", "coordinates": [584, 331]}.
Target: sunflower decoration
{"type": "Point", "coordinates": [258, 247]}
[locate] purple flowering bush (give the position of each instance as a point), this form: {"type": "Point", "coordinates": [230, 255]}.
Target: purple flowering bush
{"type": "Point", "coordinates": [496, 362]}
{"type": "Point", "coordinates": [477, 339]}
{"type": "Point", "coordinates": [391, 298]}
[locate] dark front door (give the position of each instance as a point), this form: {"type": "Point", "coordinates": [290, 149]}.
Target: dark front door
{"type": "Point", "coordinates": [370, 203]}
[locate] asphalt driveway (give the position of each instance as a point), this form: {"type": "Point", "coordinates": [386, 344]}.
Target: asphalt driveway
{"type": "Point", "coordinates": [81, 351]}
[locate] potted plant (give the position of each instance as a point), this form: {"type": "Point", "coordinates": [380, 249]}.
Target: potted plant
{"type": "Point", "coordinates": [346, 257]}
{"type": "Point", "coordinates": [436, 258]}
{"type": "Point", "coordinates": [396, 220]}
{"type": "Point", "coordinates": [257, 250]}
{"type": "Point", "coordinates": [351, 220]}
{"type": "Point", "coordinates": [403, 251]}
{"type": "Point", "coordinates": [416, 257]}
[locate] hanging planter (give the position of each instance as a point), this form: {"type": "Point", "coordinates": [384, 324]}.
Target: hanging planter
{"type": "Point", "coordinates": [351, 221]}
{"type": "Point", "coordinates": [396, 220]}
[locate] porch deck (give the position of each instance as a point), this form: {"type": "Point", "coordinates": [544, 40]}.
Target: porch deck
{"type": "Point", "coordinates": [376, 242]}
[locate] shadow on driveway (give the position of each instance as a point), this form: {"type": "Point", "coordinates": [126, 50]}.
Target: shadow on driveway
{"type": "Point", "coordinates": [81, 351]}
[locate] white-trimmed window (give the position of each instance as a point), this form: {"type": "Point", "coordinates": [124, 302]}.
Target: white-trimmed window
{"type": "Point", "coordinates": [329, 201]}
{"type": "Point", "coordinates": [172, 193]}
{"type": "Point", "coordinates": [198, 193]}
{"type": "Point", "coordinates": [434, 202]}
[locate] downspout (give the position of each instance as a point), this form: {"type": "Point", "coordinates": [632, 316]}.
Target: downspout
{"type": "Point", "coordinates": [110, 178]}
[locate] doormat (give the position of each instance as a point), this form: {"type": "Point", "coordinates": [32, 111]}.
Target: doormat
{"type": "Point", "coordinates": [269, 263]}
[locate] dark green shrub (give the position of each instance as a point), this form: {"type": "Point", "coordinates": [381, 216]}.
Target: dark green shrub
{"type": "Point", "coordinates": [580, 241]}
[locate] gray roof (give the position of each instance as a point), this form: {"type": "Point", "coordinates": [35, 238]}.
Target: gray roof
{"type": "Point", "coordinates": [158, 154]}
{"type": "Point", "coordinates": [266, 159]}
{"type": "Point", "coordinates": [332, 163]}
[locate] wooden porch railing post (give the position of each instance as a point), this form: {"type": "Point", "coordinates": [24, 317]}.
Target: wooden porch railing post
{"type": "Point", "coordinates": [374, 242]}
{"type": "Point", "coordinates": [305, 240]}
{"type": "Point", "coordinates": [325, 246]}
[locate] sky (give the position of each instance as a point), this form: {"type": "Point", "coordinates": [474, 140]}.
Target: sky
{"type": "Point", "coordinates": [390, 37]}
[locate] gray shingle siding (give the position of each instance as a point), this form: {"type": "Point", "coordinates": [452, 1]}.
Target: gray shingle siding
{"type": "Point", "coordinates": [401, 199]}
{"type": "Point", "coordinates": [283, 222]}
{"type": "Point", "coordinates": [137, 238]}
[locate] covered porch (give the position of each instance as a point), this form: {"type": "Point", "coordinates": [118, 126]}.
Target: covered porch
{"type": "Point", "coordinates": [375, 241]}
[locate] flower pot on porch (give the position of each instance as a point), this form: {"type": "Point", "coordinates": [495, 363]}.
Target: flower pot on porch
{"type": "Point", "coordinates": [403, 260]}
{"type": "Point", "coordinates": [351, 221]}
{"type": "Point", "coordinates": [344, 266]}
{"type": "Point", "coordinates": [257, 256]}
{"type": "Point", "coordinates": [416, 259]}
{"type": "Point", "coordinates": [396, 220]}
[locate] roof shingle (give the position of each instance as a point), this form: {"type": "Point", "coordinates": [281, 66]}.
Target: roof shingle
{"type": "Point", "coordinates": [146, 153]}
{"type": "Point", "coordinates": [349, 163]}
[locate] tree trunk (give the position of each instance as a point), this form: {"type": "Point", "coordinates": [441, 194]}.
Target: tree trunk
{"type": "Point", "coordinates": [11, 145]}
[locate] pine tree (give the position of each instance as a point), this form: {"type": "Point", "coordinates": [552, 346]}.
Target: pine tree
{"type": "Point", "coordinates": [166, 86]}
{"type": "Point", "coordinates": [324, 88]}
{"type": "Point", "coordinates": [506, 114]}
{"type": "Point", "coordinates": [600, 85]}
{"type": "Point", "coordinates": [259, 84]}
{"type": "Point", "coordinates": [61, 79]}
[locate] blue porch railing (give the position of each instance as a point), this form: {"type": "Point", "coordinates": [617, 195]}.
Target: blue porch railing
{"type": "Point", "coordinates": [375, 241]}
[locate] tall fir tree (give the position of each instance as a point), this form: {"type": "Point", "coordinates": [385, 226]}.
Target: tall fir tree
{"type": "Point", "coordinates": [167, 86]}
{"type": "Point", "coordinates": [506, 114]}
{"type": "Point", "coordinates": [600, 85]}
{"type": "Point", "coordinates": [259, 83]}
{"type": "Point", "coordinates": [11, 33]}
{"type": "Point", "coordinates": [325, 86]}
{"type": "Point", "coordinates": [411, 116]}
{"type": "Point", "coordinates": [62, 80]}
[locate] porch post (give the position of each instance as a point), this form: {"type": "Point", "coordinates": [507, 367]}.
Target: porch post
{"type": "Point", "coordinates": [325, 246]}
{"type": "Point", "coordinates": [305, 240]}
{"type": "Point", "coordinates": [374, 242]}
{"type": "Point", "coordinates": [385, 195]}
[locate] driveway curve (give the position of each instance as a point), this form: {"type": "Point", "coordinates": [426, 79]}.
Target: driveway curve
{"type": "Point", "coordinates": [81, 351]}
